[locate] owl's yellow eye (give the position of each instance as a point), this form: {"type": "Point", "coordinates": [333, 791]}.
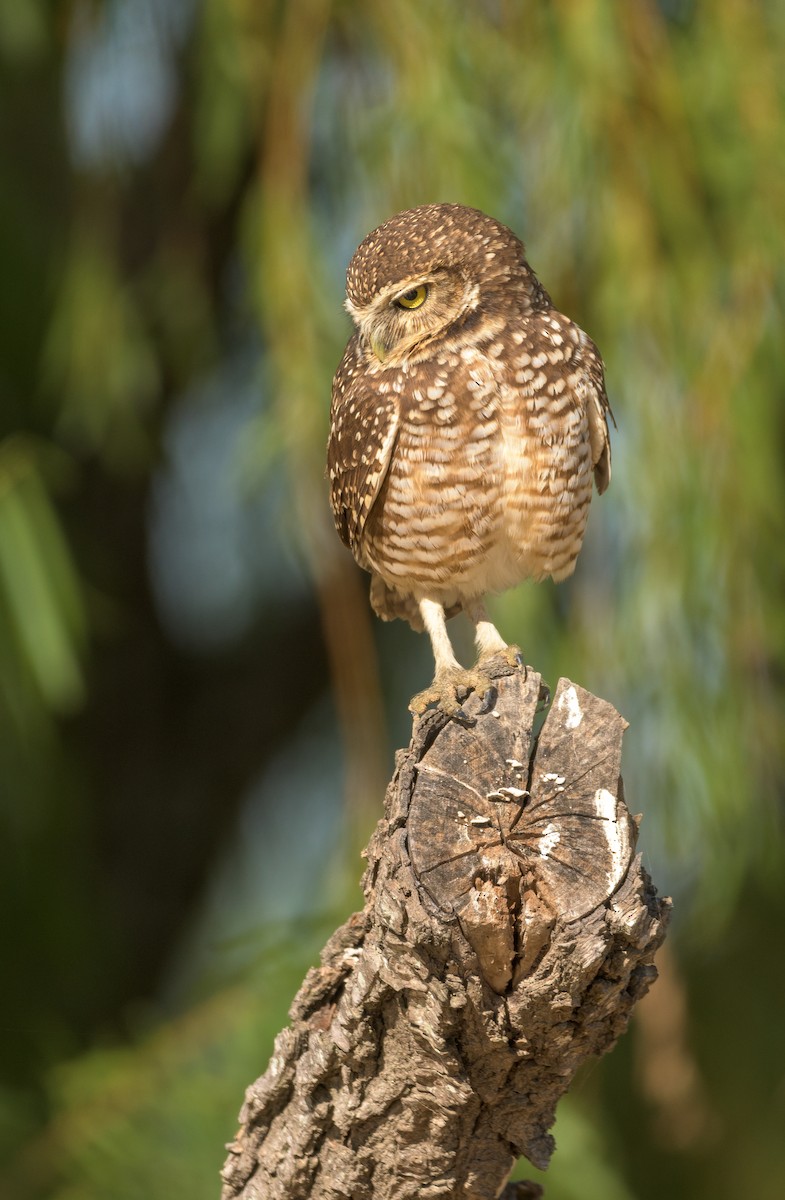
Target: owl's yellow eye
{"type": "Point", "coordinates": [413, 298]}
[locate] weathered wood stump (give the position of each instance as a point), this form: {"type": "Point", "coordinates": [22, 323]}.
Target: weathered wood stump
{"type": "Point", "coordinates": [508, 930]}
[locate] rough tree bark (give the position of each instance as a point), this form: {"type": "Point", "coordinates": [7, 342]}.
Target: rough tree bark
{"type": "Point", "coordinates": [508, 930]}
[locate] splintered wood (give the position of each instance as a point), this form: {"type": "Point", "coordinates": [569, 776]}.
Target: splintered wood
{"type": "Point", "coordinates": [508, 930]}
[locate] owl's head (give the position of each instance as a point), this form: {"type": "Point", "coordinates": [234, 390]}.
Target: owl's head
{"type": "Point", "coordinates": [425, 271]}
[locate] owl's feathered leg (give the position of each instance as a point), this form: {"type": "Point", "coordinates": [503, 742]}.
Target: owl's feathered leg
{"type": "Point", "coordinates": [487, 638]}
{"type": "Point", "coordinates": [452, 683]}
{"type": "Point", "coordinates": [450, 675]}
{"type": "Point", "coordinates": [434, 620]}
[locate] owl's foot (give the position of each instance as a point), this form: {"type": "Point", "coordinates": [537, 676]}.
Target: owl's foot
{"type": "Point", "coordinates": [451, 688]}
{"type": "Point", "coordinates": [510, 654]}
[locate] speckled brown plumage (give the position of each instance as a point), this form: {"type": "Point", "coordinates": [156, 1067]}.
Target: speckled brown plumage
{"type": "Point", "coordinates": [465, 430]}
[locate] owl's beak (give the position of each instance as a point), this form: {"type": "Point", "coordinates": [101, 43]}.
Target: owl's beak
{"type": "Point", "coordinates": [379, 348]}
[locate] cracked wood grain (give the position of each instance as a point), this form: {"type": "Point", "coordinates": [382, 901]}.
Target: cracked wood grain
{"type": "Point", "coordinates": [507, 932]}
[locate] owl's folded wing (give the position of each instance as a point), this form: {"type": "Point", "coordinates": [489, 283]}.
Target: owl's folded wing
{"type": "Point", "coordinates": [598, 410]}
{"type": "Point", "coordinates": [363, 429]}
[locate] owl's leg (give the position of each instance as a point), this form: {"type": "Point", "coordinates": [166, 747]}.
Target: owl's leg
{"type": "Point", "coordinates": [488, 640]}
{"type": "Point", "coordinates": [449, 672]}
{"type": "Point", "coordinates": [452, 683]}
{"type": "Point", "coordinates": [435, 623]}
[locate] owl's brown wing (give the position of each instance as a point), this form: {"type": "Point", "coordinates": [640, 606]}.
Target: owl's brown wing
{"type": "Point", "coordinates": [598, 410]}
{"type": "Point", "coordinates": [363, 429]}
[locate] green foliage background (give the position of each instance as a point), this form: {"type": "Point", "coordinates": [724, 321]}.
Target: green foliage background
{"type": "Point", "coordinates": [197, 713]}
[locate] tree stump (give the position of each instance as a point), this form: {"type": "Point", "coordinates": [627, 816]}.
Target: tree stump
{"type": "Point", "coordinates": [508, 930]}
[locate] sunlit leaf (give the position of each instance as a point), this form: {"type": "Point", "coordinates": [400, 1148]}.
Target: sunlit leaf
{"type": "Point", "coordinates": [41, 591]}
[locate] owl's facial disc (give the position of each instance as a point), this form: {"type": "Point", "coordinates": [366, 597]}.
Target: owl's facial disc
{"type": "Point", "coordinates": [401, 319]}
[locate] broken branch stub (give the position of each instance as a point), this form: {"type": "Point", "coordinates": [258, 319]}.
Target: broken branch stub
{"type": "Point", "coordinates": [507, 932]}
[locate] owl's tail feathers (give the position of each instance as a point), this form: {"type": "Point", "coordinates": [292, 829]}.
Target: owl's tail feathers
{"type": "Point", "coordinates": [390, 605]}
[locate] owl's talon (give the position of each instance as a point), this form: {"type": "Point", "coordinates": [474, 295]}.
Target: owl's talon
{"type": "Point", "coordinates": [488, 701]}
{"type": "Point", "coordinates": [514, 657]}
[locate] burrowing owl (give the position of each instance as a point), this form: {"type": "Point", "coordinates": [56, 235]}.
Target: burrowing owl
{"type": "Point", "coordinates": [468, 418]}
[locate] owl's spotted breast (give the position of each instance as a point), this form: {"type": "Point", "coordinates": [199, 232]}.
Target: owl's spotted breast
{"type": "Point", "coordinates": [487, 476]}
{"type": "Point", "coordinates": [469, 418]}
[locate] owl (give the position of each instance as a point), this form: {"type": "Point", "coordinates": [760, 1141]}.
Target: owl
{"type": "Point", "coordinates": [468, 422]}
